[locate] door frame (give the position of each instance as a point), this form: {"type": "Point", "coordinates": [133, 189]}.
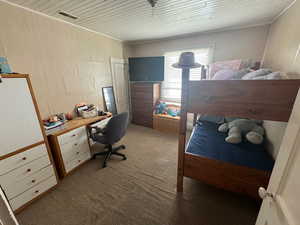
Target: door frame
{"type": "Point", "coordinates": [10, 214]}
{"type": "Point", "coordinates": [279, 176]}
{"type": "Point", "coordinates": [113, 61]}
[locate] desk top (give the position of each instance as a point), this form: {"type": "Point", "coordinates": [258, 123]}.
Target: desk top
{"type": "Point", "coordinates": [76, 123]}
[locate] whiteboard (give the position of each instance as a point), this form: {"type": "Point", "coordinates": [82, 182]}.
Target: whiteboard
{"type": "Point", "coordinates": [19, 124]}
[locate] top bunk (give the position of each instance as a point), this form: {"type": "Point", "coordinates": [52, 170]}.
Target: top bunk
{"type": "Point", "coordinates": [255, 99]}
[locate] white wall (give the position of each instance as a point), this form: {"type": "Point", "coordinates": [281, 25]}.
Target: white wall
{"type": "Point", "coordinates": [283, 45]}
{"type": "Point", "coordinates": [234, 44]}
{"type": "Point", "coordinates": [282, 53]}
{"type": "Point", "coordinates": [67, 64]}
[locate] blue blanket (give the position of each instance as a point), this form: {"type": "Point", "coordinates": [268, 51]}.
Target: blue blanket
{"type": "Point", "coordinates": [207, 142]}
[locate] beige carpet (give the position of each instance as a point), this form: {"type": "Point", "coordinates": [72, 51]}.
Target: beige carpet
{"type": "Point", "coordinates": [139, 191]}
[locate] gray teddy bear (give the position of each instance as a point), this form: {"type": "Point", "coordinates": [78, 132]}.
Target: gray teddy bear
{"type": "Point", "coordinates": [252, 129]}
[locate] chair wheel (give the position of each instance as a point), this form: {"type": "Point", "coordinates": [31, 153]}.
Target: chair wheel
{"type": "Point", "coordinates": [124, 158]}
{"type": "Point", "coordinates": [94, 157]}
{"type": "Point", "coordinates": [123, 146]}
{"type": "Point", "coordinates": [104, 165]}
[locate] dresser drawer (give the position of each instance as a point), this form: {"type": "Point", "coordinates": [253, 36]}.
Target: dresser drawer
{"type": "Point", "coordinates": [20, 186]}
{"type": "Point", "coordinates": [72, 135]}
{"type": "Point", "coordinates": [69, 152]}
{"type": "Point", "coordinates": [143, 120]}
{"type": "Point", "coordinates": [22, 158]}
{"type": "Point", "coordinates": [141, 87]}
{"type": "Point", "coordinates": [33, 192]}
{"type": "Point", "coordinates": [25, 171]}
{"type": "Point", "coordinates": [77, 161]}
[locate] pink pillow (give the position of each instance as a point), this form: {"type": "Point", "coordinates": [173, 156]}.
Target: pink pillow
{"type": "Point", "coordinates": [226, 74]}
{"type": "Point", "coordinates": [217, 66]}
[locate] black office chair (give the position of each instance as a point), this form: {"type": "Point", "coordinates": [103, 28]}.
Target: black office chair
{"type": "Point", "coordinates": [114, 130]}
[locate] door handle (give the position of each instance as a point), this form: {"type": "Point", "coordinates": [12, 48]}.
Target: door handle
{"type": "Point", "coordinates": [263, 193]}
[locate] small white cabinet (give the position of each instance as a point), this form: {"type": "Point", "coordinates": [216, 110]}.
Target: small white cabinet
{"type": "Point", "coordinates": [26, 165]}
{"type": "Point", "coordinates": [70, 149]}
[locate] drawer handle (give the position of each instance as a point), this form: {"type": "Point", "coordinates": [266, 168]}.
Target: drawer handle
{"type": "Point", "coordinates": [37, 191]}
{"type": "Point", "coordinates": [33, 181]}
{"type": "Point", "coordinates": [24, 158]}
{"type": "Point", "coordinates": [28, 170]}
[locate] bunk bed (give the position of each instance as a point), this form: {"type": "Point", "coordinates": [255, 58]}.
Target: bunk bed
{"type": "Point", "coordinates": [205, 156]}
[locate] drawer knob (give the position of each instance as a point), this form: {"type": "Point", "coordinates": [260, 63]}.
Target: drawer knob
{"type": "Point", "coordinates": [79, 160]}
{"type": "Point", "coordinates": [75, 144]}
{"type": "Point", "coordinates": [77, 153]}
{"type": "Point", "coordinates": [33, 181]}
{"type": "Point", "coordinates": [28, 170]}
{"type": "Point", "coordinates": [73, 135]}
{"type": "Point", "coordinates": [24, 158]}
{"type": "Point", "coordinates": [37, 191]}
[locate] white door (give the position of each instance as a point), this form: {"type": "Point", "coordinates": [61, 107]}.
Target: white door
{"type": "Point", "coordinates": [19, 124]}
{"type": "Point", "coordinates": [119, 71]}
{"type": "Point", "coordinates": [281, 201]}
{"type": "Point", "coordinates": [7, 216]}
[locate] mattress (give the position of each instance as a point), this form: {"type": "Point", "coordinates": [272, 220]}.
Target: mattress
{"type": "Point", "coordinates": [207, 142]}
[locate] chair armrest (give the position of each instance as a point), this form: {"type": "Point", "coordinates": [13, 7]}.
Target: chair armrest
{"type": "Point", "coordinates": [97, 130]}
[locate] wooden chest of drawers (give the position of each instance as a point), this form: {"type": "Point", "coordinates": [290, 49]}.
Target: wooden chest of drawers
{"type": "Point", "coordinates": [143, 99]}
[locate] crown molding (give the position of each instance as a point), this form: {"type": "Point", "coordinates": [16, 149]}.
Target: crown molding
{"type": "Point", "coordinates": [60, 20]}
{"type": "Point", "coordinates": [282, 12]}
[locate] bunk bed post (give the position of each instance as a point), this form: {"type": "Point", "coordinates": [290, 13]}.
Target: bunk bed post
{"type": "Point", "coordinates": [186, 62]}
{"type": "Point", "coordinates": [182, 128]}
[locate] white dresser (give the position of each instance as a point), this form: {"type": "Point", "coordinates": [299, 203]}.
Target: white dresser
{"type": "Point", "coordinates": [70, 149]}
{"type": "Point", "coordinates": [70, 146]}
{"type": "Point", "coordinates": [26, 165]}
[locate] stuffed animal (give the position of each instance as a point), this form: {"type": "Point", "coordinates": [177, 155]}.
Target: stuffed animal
{"type": "Point", "coordinates": [161, 108]}
{"type": "Point", "coordinates": [252, 129]}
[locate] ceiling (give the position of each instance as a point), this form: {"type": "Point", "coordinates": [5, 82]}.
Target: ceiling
{"type": "Point", "coordinates": [130, 20]}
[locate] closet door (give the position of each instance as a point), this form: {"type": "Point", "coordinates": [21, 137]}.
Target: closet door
{"type": "Point", "coordinates": [19, 124]}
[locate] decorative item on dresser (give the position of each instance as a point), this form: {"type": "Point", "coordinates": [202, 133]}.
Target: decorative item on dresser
{"type": "Point", "coordinates": [70, 146]}
{"type": "Point", "coordinates": [144, 95]}
{"type": "Point", "coordinates": [26, 164]}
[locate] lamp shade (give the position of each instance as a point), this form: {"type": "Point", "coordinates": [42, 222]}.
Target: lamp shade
{"type": "Point", "coordinates": [186, 60]}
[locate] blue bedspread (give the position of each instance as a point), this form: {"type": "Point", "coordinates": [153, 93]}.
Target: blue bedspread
{"type": "Point", "coordinates": [207, 142]}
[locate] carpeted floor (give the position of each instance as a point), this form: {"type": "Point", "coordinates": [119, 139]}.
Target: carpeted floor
{"type": "Point", "coordinates": [139, 191]}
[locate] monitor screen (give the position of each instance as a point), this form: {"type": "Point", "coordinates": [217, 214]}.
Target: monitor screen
{"type": "Point", "coordinates": [147, 68]}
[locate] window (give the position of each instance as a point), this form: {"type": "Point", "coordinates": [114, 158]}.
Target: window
{"type": "Point", "coordinates": [171, 87]}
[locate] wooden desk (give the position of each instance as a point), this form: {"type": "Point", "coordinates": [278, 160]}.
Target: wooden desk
{"type": "Point", "coordinates": [70, 145]}
{"type": "Point", "coordinates": [76, 123]}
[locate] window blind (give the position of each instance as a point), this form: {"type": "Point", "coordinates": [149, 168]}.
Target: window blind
{"type": "Point", "coordinates": [171, 86]}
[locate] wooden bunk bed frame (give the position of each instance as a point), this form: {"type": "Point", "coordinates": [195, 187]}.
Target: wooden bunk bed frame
{"type": "Point", "coordinates": [257, 99]}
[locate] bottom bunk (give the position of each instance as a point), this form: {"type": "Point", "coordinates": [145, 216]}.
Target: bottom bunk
{"type": "Point", "coordinates": [241, 168]}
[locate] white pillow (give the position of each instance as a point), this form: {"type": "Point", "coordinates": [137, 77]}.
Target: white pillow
{"type": "Point", "coordinates": [226, 74]}
{"type": "Point", "coordinates": [257, 73]}
{"type": "Point", "coordinates": [239, 74]}
{"type": "Point", "coordinates": [270, 76]}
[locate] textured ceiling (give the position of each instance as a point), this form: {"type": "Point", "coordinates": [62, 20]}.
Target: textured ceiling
{"type": "Point", "coordinates": [135, 19]}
